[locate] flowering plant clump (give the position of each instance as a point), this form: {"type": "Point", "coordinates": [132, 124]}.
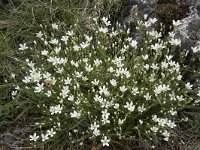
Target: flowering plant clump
{"type": "Point", "coordinates": [105, 85]}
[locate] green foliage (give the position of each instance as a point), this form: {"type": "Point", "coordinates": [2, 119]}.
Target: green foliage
{"type": "Point", "coordinates": [103, 84]}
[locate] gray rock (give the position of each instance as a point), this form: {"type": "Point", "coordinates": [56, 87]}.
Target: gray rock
{"type": "Point", "coordinates": [16, 143]}
{"type": "Point", "coordinates": [137, 10]}
{"type": "Point", "coordinates": [8, 140]}
{"type": "Point", "coordinates": [17, 131]}
{"type": "Point", "coordinates": [189, 31]}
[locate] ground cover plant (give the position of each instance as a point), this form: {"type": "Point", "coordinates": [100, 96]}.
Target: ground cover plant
{"type": "Point", "coordinates": [91, 85]}
{"type": "Point", "coordinates": [104, 85]}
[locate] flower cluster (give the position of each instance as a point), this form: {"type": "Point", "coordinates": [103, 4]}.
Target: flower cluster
{"type": "Point", "coordinates": [104, 83]}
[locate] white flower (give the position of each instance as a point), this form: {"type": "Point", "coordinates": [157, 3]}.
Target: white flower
{"type": "Point", "coordinates": [146, 66]}
{"type": "Point", "coordinates": [105, 21]}
{"type": "Point", "coordinates": [94, 126]}
{"type": "Point", "coordinates": [60, 70]}
{"type": "Point", "coordinates": [121, 121]}
{"type": "Point", "coordinates": [96, 132]}
{"type": "Point", "coordinates": [154, 66]}
{"type": "Point", "coordinates": [154, 129]}
{"type": "Point", "coordinates": [145, 15]}
{"type": "Point", "coordinates": [70, 33]}
{"type": "Point", "coordinates": [67, 81]}
{"type": "Point", "coordinates": [54, 26]}
{"type": "Point", "coordinates": [98, 99]}
{"type": "Point", "coordinates": [35, 76]}
{"type": "Point", "coordinates": [145, 57]}
{"type": "Point", "coordinates": [88, 68]}
{"type": "Point", "coordinates": [172, 112]}
{"type": "Point", "coordinates": [134, 91]}
{"type": "Point", "coordinates": [171, 124]}
{"type": "Point", "coordinates": [55, 109]}
{"type": "Point", "coordinates": [76, 48]}
{"type": "Point", "coordinates": [12, 75]}
{"type": "Point", "coordinates": [155, 34]}
{"type": "Point", "coordinates": [113, 82]}
{"type": "Point", "coordinates": [57, 49]}
{"type": "Point", "coordinates": [14, 93]}
{"type": "Point", "coordinates": [105, 114]}
{"type": "Point", "coordinates": [123, 50]}
{"type": "Point", "coordinates": [46, 43]}
{"type": "Point", "coordinates": [103, 30]}
{"type": "Point", "coordinates": [118, 61]}
{"type": "Point", "coordinates": [65, 91]}
{"type": "Point", "coordinates": [85, 78]}
{"type": "Point", "coordinates": [97, 62]}
{"type": "Point", "coordinates": [147, 24]}
{"type": "Point", "coordinates": [34, 137]}
{"type": "Point", "coordinates": [26, 80]}
{"type": "Point", "coordinates": [130, 106]}
{"type": "Point", "coordinates": [23, 46]}
{"type": "Point", "coordinates": [74, 63]}
{"type": "Point", "coordinates": [104, 90]}
{"type": "Point", "coordinates": [88, 38]}
{"type": "Point", "coordinates": [157, 47]}
{"type": "Point", "coordinates": [162, 122]}
{"type": "Point", "coordinates": [65, 39]}
{"type": "Point", "coordinates": [153, 20]}
{"type": "Point", "coordinates": [71, 98]}
{"type": "Point", "coordinates": [54, 41]}
{"type": "Point", "coordinates": [188, 86]}
{"type": "Point", "coordinates": [105, 141]}
{"type": "Point", "coordinates": [175, 42]}
{"type": "Point", "coordinates": [44, 52]}
{"type": "Point", "coordinates": [44, 137]}
{"type": "Point", "coordinates": [141, 108]}
{"type": "Point", "coordinates": [195, 49]}
{"type": "Point", "coordinates": [110, 69]}
{"type": "Point", "coordinates": [51, 132]}
{"type": "Point", "coordinates": [48, 93]}
{"type": "Point", "coordinates": [122, 89]}
{"type": "Point", "coordinates": [17, 88]}
{"type": "Point", "coordinates": [147, 96]}
{"type": "Point", "coordinates": [155, 118]}
{"type": "Point", "coordinates": [169, 57]}
{"type": "Point", "coordinates": [39, 87]}
{"type": "Point", "coordinates": [180, 98]}
{"type": "Point", "coordinates": [161, 88]}
{"type": "Point", "coordinates": [134, 43]}
{"type": "Point", "coordinates": [39, 34]}
{"type": "Point", "coordinates": [166, 134]}
{"type": "Point", "coordinates": [198, 93]}
{"type": "Point", "coordinates": [116, 106]}
{"type": "Point", "coordinates": [141, 121]}
{"type": "Point", "coordinates": [114, 33]}
{"type": "Point", "coordinates": [75, 114]}
{"type": "Point", "coordinates": [176, 23]}
{"type": "Point", "coordinates": [95, 82]}
{"type": "Point", "coordinates": [83, 45]}
{"type": "Point", "coordinates": [171, 34]}
{"type": "Point", "coordinates": [164, 65]}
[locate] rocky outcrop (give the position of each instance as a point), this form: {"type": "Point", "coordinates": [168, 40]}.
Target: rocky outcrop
{"type": "Point", "coordinates": [189, 30]}
{"type": "Point", "coordinates": [137, 9]}
{"type": "Point", "coordinates": [187, 11]}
